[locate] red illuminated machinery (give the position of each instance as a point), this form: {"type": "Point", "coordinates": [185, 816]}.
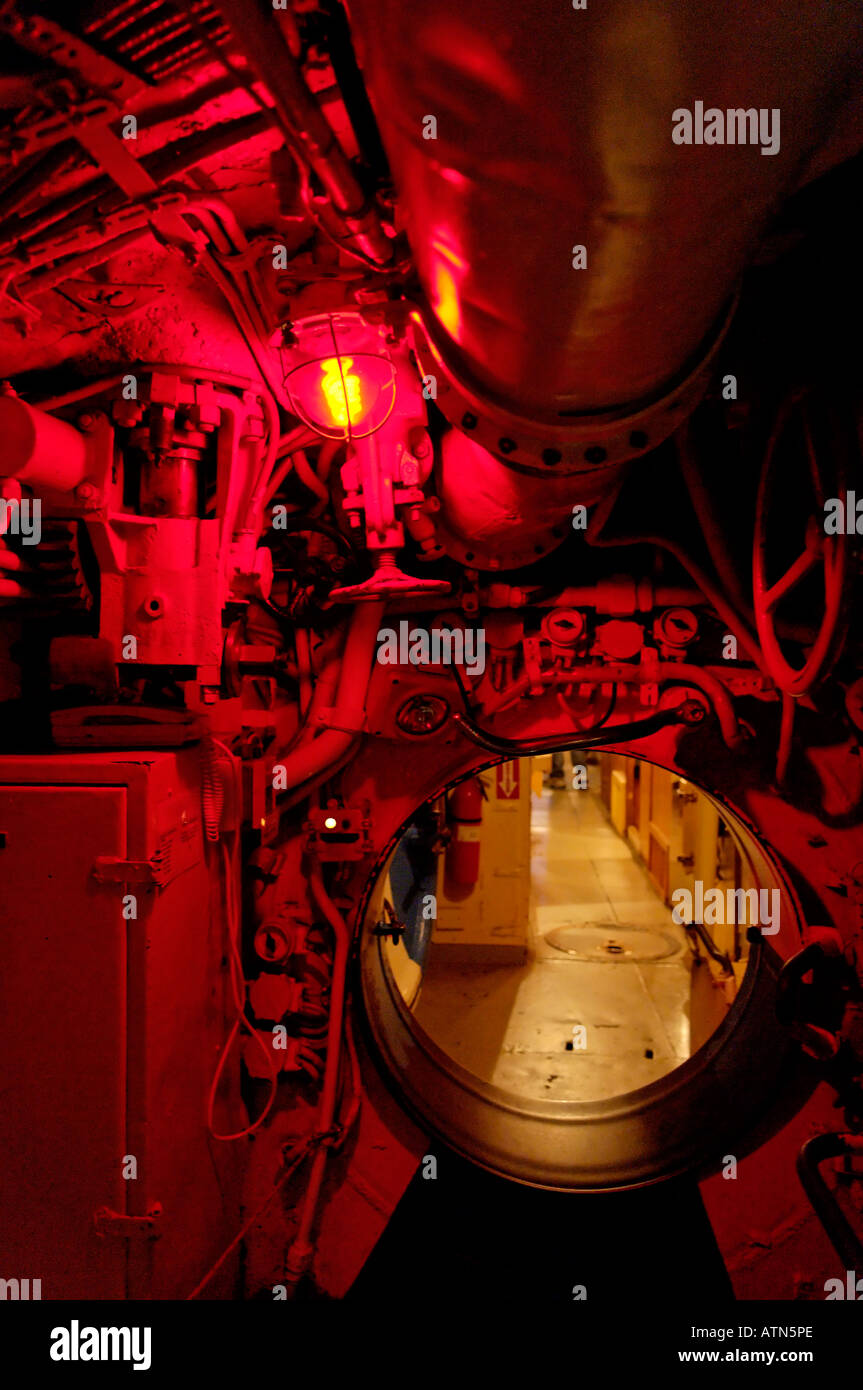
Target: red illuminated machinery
{"type": "Point", "coordinates": [370, 417]}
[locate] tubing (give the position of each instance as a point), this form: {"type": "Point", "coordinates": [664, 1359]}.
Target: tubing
{"type": "Point", "coordinates": [310, 759]}
{"type": "Point", "coordinates": [308, 477]}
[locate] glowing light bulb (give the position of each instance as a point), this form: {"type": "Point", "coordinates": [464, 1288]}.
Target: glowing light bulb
{"type": "Point", "coordinates": [342, 391]}
{"type": "Point", "coordinates": [330, 823]}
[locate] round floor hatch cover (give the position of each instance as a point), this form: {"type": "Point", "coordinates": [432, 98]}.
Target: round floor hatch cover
{"type": "Point", "coordinates": [607, 941]}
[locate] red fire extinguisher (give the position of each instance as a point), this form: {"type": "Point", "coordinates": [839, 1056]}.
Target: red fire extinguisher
{"type": "Point", "coordinates": [465, 820]}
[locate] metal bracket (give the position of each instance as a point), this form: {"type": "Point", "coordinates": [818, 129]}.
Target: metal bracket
{"type": "Point", "coordinates": [109, 869]}
{"type": "Point", "coordinates": [116, 1224]}
{"type": "Point", "coordinates": [70, 53]}
{"type": "Point", "coordinates": [344, 719]}
{"type": "Point", "coordinates": [389, 926]}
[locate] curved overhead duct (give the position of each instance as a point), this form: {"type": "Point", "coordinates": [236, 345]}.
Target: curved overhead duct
{"type": "Point", "coordinates": [514, 137]}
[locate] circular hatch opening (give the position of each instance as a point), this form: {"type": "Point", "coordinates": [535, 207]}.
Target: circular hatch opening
{"type": "Point", "coordinates": [568, 966]}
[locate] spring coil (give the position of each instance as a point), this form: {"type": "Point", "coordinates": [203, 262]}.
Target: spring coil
{"type": "Point", "coordinates": [212, 790]}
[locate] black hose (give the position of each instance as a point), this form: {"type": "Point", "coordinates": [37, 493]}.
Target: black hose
{"type": "Point", "coordinates": [684, 713]}
{"type": "Point", "coordinates": [699, 930]}
{"type": "Point", "coordinates": [296, 525]}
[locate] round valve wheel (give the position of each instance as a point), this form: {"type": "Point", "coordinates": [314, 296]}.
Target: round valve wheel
{"type": "Point", "coordinates": [799, 571]}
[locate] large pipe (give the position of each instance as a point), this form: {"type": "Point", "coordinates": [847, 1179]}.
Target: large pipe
{"type": "Point", "coordinates": [516, 131]}
{"type": "Point", "coordinates": [40, 450]}
{"type": "Point", "coordinates": [497, 518]}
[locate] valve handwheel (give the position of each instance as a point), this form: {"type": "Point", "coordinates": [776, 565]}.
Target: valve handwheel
{"type": "Point", "coordinates": [800, 572]}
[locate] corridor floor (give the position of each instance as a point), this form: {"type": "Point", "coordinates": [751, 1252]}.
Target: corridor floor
{"type": "Point", "coordinates": [626, 1020]}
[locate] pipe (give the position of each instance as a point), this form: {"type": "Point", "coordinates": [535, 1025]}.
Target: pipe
{"type": "Point", "coordinates": [99, 385]}
{"type": "Point", "coordinates": [301, 1249]}
{"type": "Point", "coordinates": [681, 673]}
{"type": "Point", "coordinates": [348, 716]}
{"type": "Point", "coordinates": [323, 695]}
{"type": "Point", "coordinates": [515, 132]}
{"type": "Point", "coordinates": [10, 561]}
{"type": "Point", "coordinates": [306, 126]}
{"type": "Point", "coordinates": [712, 592]}
{"type": "Point", "coordinates": [163, 165]}
{"type": "Point", "coordinates": [492, 516]}
{"type": "Point", "coordinates": [845, 1242]}
{"type": "Point", "coordinates": [786, 738]}
{"type": "Point", "coordinates": [623, 596]}
{"type": "Point", "coordinates": [308, 477]}
{"type": "Point", "coordinates": [28, 286]}
{"type": "Point", "coordinates": [77, 241]}
{"type": "Point", "coordinates": [40, 450]}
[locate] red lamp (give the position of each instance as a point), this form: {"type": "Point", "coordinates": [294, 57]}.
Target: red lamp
{"type": "Point", "coordinates": [342, 382]}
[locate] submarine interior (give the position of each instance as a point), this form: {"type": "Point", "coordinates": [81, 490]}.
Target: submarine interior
{"type": "Point", "coordinates": [431, 791]}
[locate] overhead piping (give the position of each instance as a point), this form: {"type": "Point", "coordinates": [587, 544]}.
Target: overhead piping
{"type": "Point", "coordinates": [306, 129]}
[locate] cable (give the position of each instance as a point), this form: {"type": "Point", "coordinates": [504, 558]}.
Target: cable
{"type": "Point", "coordinates": [298, 439]}
{"type": "Point", "coordinates": [347, 1122]}
{"type": "Point", "coordinates": [238, 984]}
{"type": "Point", "coordinates": [786, 737]}
{"type": "Point", "coordinates": [280, 1182]}
{"type": "Point", "coordinates": [296, 525]}
{"type": "Point", "coordinates": [612, 705]}
{"type": "Point", "coordinates": [614, 733]}
{"type": "Point", "coordinates": [308, 477]}
{"type": "Point", "coordinates": [302, 645]}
